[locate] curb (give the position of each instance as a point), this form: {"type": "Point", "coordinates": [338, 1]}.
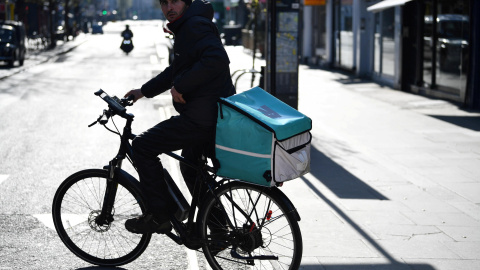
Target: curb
{"type": "Point", "coordinates": [48, 54]}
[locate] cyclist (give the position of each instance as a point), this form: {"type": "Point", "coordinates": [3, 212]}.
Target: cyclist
{"type": "Point", "coordinates": [198, 76]}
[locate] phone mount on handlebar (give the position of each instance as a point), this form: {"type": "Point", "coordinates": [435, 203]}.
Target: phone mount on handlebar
{"type": "Point", "coordinates": [116, 107]}
{"type": "Point", "coordinates": [113, 103]}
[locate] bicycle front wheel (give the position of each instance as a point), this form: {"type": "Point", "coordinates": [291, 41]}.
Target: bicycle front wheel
{"type": "Point", "coordinates": [77, 205]}
{"type": "Point", "coordinates": [263, 232]}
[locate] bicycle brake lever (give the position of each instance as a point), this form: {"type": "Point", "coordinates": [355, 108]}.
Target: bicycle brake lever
{"type": "Point", "coordinates": [103, 119]}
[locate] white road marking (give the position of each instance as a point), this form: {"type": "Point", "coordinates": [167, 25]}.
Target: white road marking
{"type": "Point", "coordinates": [153, 59]}
{"type": "Point", "coordinates": [46, 219]}
{"type": "Point", "coordinates": [3, 177]}
{"type": "Point", "coordinates": [68, 219]}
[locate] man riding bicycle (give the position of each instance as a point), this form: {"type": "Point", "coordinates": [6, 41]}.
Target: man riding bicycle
{"type": "Point", "coordinates": [197, 78]}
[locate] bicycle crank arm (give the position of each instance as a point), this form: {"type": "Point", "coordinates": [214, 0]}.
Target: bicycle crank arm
{"type": "Point", "coordinates": [192, 244]}
{"type": "Point", "coordinates": [175, 238]}
{"type": "Point", "coordinates": [240, 257]}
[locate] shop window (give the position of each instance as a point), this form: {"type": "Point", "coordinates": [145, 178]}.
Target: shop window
{"type": "Point", "coordinates": [446, 45]}
{"type": "Point", "coordinates": [344, 33]}
{"type": "Point", "coordinates": [384, 54]}
{"type": "Point", "coordinates": [319, 31]}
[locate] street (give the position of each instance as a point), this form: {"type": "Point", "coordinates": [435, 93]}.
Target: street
{"type": "Point", "coordinates": [44, 138]}
{"type": "Point", "coordinates": [394, 180]}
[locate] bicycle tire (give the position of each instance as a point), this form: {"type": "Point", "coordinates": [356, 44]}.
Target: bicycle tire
{"type": "Point", "coordinates": [279, 236]}
{"type": "Point", "coordinates": [79, 200]}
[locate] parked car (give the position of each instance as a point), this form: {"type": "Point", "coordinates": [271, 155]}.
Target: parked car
{"type": "Point", "coordinates": [60, 33]}
{"type": "Point", "coordinates": [12, 42]}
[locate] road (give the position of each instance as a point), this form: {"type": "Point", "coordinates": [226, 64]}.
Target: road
{"type": "Point", "coordinates": [45, 111]}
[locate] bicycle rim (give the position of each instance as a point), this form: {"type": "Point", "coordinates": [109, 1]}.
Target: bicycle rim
{"type": "Point", "coordinates": [262, 226]}
{"type": "Point", "coordinates": [78, 202]}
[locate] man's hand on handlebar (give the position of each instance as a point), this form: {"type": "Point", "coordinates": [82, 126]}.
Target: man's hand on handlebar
{"type": "Point", "coordinates": [135, 92]}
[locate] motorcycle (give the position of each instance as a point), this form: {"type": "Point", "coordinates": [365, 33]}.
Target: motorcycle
{"type": "Point", "coordinates": [127, 46]}
{"type": "Point", "coordinates": [127, 43]}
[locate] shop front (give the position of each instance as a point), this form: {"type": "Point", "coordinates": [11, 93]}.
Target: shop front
{"type": "Point", "coordinates": [439, 49]}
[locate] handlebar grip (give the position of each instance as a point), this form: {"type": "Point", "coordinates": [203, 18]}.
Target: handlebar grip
{"type": "Point", "coordinates": [114, 105]}
{"type": "Point", "coordinates": [131, 97]}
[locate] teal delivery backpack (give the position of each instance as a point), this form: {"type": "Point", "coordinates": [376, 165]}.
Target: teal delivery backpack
{"type": "Point", "coordinates": [261, 140]}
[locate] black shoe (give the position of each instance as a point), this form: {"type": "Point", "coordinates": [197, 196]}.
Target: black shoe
{"type": "Point", "coordinates": [148, 224]}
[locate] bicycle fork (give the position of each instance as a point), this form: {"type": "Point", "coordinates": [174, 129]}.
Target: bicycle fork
{"type": "Point", "coordinates": [106, 215]}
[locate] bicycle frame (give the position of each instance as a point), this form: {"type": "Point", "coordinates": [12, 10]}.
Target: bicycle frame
{"type": "Point", "coordinates": [186, 232]}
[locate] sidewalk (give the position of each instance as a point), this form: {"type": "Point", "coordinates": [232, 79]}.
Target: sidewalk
{"type": "Point", "coordinates": [395, 178]}
{"type": "Point", "coordinates": [38, 57]}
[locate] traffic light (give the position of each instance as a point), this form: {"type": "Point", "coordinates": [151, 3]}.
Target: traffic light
{"type": "Point", "coordinates": [104, 12]}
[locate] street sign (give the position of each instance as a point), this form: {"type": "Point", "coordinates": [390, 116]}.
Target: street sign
{"type": "Point", "coordinates": [315, 2]}
{"type": "Point", "coordinates": [281, 78]}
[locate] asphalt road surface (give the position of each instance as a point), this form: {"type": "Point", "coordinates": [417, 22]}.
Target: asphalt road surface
{"type": "Point", "coordinates": [44, 138]}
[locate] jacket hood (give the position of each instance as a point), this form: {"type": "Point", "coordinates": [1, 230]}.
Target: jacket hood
{"type": "Point", "coordinates": [201, 8]}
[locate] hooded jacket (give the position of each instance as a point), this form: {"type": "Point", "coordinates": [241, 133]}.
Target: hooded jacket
{"type": "Point", "coordinates": [200, 69]}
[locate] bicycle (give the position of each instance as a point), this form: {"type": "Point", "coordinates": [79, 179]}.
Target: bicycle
{"type": "Point", "coordinates": [238, 225]}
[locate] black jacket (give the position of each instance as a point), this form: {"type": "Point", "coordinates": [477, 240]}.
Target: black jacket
{"type": "Point", "coordinates": [200, 69]}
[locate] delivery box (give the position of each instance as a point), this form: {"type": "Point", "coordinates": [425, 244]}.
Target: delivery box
{"type": "Point", "coordinates": [261, 140]}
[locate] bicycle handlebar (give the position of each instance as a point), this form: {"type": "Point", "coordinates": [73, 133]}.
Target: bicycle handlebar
{"type": "Point", "coordinates": [116, 107]}
{"type": "Point", "coordinates": [113, 103]}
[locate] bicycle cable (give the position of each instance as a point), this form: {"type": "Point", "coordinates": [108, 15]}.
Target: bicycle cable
{"type": "Point", "coordinates": [112, 131]}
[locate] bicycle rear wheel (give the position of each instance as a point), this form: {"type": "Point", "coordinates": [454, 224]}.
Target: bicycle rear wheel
{"type": "Point", "coordinates": [77, 204]}
{"type": "Point", "coordinates": [264, 232]}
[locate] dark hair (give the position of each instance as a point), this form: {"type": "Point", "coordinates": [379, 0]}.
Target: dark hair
{"type": "Point", "coordinates": [187, 2]}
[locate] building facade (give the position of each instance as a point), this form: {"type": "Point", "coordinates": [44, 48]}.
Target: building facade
{"type": "Point", "coordinates": [428, 47]}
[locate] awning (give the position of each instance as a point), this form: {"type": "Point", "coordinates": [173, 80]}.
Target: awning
{"type": "Point", "coordinates": [386, 4]}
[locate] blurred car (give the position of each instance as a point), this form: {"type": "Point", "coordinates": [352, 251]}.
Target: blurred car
{"type": "Point", "coordinates": [60, 33]}
{"type": "Point", "coordinates": [97, 28]}
{"type": "Point", "coordinates": [12, 42]}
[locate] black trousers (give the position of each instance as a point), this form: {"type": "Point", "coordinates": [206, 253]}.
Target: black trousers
{"type": "Point", "coordinates": [173, 134]}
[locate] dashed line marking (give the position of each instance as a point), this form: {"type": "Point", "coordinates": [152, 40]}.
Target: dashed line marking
{"type": "Point", "coordinates": [46, 219]}
{"type": "Point", "coordinates": [153, 59]}
{"type": "Point", "coordinates": [3, 177]}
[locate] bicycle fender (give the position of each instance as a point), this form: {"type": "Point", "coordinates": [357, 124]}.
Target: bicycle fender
{"type": "Point", "coordinates": [286, 201]}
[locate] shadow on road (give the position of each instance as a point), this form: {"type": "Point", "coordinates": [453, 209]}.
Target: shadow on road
{"type": "Point", "coordinates": [341, 182]}
{"type": "Point", "coordinates": [347, 186]}
{"type": "Point", "coordinates": [470, 122]}
{"type": "Point", "coordinates": [101, 268]}
{"type": "Point", "coordinates": [392, 266]}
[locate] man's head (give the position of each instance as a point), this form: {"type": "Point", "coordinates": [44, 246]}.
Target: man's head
{"type": "Point", "coordinates": [172, 9]}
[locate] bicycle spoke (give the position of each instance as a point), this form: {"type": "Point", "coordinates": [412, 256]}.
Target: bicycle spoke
{"type": "Point", "coordinates": [263, 231]}
{"type": "Point", "coordinates": [103, 241]}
